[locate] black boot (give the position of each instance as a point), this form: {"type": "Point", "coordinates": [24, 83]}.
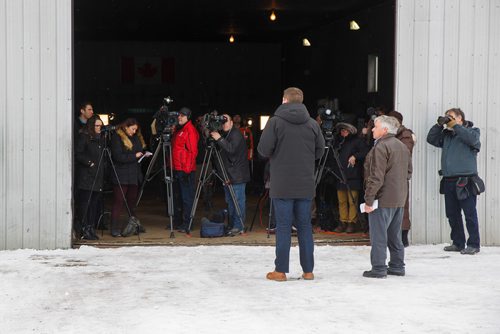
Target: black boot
{"type": "Point", "coordinates": [404, 238]}
{"type": "Point", "coordinates": [87, 233]}
{"type": "Point", "coordinates": [115, 230]}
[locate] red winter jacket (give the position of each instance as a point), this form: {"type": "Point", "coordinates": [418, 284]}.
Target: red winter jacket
{"type": "Point", "coordinates": [185, 148]}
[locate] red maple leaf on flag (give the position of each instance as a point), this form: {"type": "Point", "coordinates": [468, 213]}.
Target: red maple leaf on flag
{"type": "Point", "coordinates": [147, 70]}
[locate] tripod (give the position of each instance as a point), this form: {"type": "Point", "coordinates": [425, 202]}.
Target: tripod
{"type": "Point", "coordinates": [165, 145]}
{"type": "Point", "coordinates": [107, 153]}
{"type": "Point", "coordinates": [204, 178]}
{"type": "Point", "coordinates": [322, 170]}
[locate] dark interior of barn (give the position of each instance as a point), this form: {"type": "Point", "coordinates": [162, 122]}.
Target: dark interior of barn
{"type": "Point", "coordinates": [235, 57]}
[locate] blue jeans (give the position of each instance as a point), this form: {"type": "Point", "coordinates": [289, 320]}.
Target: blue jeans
{"type": "Point", "coordinates": [290, 211]}
{"type": "Point", "coordinates": [183, 198]}
{"type": "Point", "coordinates": [239, 192]}
{"type": "Point", "coordinates": [454, 209]}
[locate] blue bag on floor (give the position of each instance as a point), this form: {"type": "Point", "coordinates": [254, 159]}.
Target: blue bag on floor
{"type": "Point", "coordinates": [210, 229]}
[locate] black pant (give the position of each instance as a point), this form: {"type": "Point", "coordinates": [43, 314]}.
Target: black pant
{"type": "Point", "coordinates": [89, 212]}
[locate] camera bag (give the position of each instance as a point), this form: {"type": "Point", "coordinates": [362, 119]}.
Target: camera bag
{"type": "Point", "coordinates": [211, 229]}
{"type": "Point", "coordinates": [476, 184]}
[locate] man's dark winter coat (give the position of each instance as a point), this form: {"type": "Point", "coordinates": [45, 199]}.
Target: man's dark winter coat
{"type": "Point", "coordinates": [292, 141]}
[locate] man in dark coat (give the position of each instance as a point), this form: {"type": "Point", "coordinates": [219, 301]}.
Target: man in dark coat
{"type": "Point", "coordinates": [234, 157]}
{"type": "Point", "coordinates": [292, 141]}
{"type": "Point", "coordinates": [460, 143]}
{"type": "Point", "coordinates": [408, 138]}
{"type": "Point", "coordinates": [387, 171]}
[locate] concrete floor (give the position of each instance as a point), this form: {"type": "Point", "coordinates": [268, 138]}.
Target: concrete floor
{"type": "Point", "coordinates": [151, 212]}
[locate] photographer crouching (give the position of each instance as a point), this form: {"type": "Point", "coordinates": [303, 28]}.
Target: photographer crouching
{"type": "Point", "coordinates": [234, 157]}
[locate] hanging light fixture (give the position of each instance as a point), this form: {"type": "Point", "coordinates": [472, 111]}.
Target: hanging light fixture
{"type": "Point", "coordinates": [231, 39]}
{"type": "Point", "coordinates": [305, 42]}
{"type": "Point", "coordinates": [353, 25]}
{"type": "Point", "coordinates": [272, 17]}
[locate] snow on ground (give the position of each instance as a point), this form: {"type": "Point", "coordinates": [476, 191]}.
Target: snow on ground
{"type": "Point", "coordinates": [222, 289]}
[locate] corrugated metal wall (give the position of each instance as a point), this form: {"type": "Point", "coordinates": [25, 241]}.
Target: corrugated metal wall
{"type": "Point", "coordinates": [35, 123]}
{"type": "Point", "coordinates": [448, 55]}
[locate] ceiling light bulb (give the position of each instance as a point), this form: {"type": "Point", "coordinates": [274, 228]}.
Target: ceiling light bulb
{"type": "Point", "coordinates": [305, 42]}
{"type": "Point", "coordinates": [353, 25]}
{"type": "Point", "coordinates": [272, 17]}
{"type": "Point", "coordinates": [231, 39]}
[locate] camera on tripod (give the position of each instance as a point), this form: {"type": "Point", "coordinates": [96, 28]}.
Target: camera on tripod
{"type": "Point", "coordinates": [213, 122]}
{"type": "Point", "coordinates": [165, 119]}
{"type": "Point", "coordinates": [329, 120]}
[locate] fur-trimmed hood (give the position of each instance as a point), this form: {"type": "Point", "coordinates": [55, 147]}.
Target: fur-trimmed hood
{"type": "Point", "coordinates": [126, 140]}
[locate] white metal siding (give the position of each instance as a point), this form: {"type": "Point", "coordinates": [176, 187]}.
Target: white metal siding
{"type": "Point", "coordinates": [36, 123]}
{"type": "Point", "coordinates": [447, 55]}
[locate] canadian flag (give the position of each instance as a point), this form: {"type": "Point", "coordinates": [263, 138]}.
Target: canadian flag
{"type": "Point", "coordinates": [148, 70]}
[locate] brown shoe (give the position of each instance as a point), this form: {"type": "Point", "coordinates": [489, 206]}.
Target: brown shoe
{"type": "Point", "coordinates": [276, 276]}
{"type": "Point", "coordinates": [341, 228]}
{"type": "Point", "coordinates": [308, 276]}
{"type": "Point", "coordinates": [350, 228]}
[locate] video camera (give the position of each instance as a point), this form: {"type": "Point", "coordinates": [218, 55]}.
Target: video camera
{"type": "Point", "coordinates": [213, 122]}
{"type": "Point", "coordinates": [329, 120]}
{"type": "Point", "coordinates": [166, 119]}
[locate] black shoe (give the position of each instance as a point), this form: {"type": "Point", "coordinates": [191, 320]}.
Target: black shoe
{"type": "Point", "coordinates": [453, 248]}
{"type": "Point", "coordinates": [395, 273]}
{"type": "Point", "coordinates": [371, 274]}
{"type": "Point", "coordinates": [470, 251]}
{"type": "Point", "coordinates": [115, 233]}
{"type": "Point", "coordinates": [87, 234]}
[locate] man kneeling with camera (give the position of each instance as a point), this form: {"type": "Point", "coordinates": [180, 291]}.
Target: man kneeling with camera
{"type": "Point", "coordinates": [233, 151]}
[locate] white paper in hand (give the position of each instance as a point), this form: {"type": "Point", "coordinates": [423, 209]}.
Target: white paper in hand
{"type": "Point", "coordinates": [374, 206]}
{"type": "Point", "coordinates": [145, 155]}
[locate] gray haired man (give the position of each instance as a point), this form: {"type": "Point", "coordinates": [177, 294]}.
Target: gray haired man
{"type": "Point", "coordinates": [387, 171]}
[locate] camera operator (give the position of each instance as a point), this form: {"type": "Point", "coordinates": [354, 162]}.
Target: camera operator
{"type": "Point", "coordinates": [126, 148]}
{"type": "Point", "coordinates": [184, 152]}
{"type": "Point", "coordinates": [234, 157]}
{"type": "Point", "coordinates": [89, 180]}
{"type": "Point", "coordinates": [352, 151]}
{"type": "Point", "coordinates": [460, 143]}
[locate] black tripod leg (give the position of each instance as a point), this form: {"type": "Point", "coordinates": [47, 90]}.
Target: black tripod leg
{"type": "Point", "coordinates": [148, 173]}
{"type": "Point", "coordinates": [257, 209]}
{"type": "Point", "coordinates": [121, 190]}
{"type": "Point", "coordinates": [169, 179]}
{"type": "Point", "coordinates": [270, 216]}
{"type": "Point", "coordinates": [201, 183]}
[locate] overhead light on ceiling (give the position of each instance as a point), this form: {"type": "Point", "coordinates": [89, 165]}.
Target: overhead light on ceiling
{"type": "Point", "coordinates": [305, 42]}
{"type": "Point", "coordinates": [272, 17]}
{"type": "Point", "coordinates": [231, 39]}
{"type": "Point", "coordinates": [353, 25]}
